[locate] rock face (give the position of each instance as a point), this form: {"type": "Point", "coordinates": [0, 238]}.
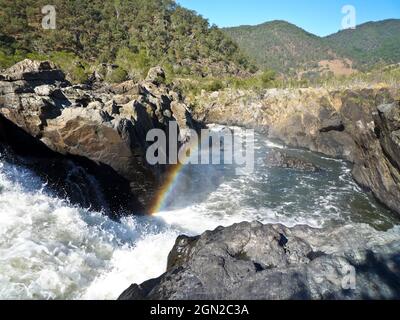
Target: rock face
{"type": "Point", "coordinates": [77, 179]}
{"type": "Point", "coordinates": [106, 125]}
{"type": "Point", "coordinates": [281, 160]}
{"type": "Point", "coordinates": [255, 261]}
{"type": "Point", "coordinates": [359, 125]}
{"type": "Point", "coordinates": [378, 165]}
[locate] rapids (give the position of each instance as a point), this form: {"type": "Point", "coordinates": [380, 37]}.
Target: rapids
{"type": "Point", "coordinates": [50, 249]}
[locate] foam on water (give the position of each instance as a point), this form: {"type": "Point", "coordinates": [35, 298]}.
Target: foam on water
{"type": "Point", "coordinates": [51, 250]}
{"type": "Point", "coordinates": [145, 260]}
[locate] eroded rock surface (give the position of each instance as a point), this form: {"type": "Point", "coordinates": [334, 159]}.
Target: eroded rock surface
{"type": "Point", "coordinates": [107, 124]}
{"type": "Point", "coordinates": [255, 261]}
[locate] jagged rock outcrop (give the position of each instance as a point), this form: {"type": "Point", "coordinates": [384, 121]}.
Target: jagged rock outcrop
{"type": "Point", "coordinates": [106, 125]}
{"type": "Point", "coordinates": [28, 70]}
{"type": "Point", "coordinates": [255, 261]}
{"type": "Point", "coordinates": [347, 124]}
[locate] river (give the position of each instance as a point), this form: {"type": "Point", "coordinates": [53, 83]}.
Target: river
{"type": "Point", "coordinates": [50, 249]}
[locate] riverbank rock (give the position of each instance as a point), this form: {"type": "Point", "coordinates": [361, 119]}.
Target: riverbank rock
{"type": "Point", "coordinates": [357, 124]}
{"type": "Point", "coordinates": [104, 124]}
{"type": "Point", "coordinates": [378, 167]}
{"type": "Point", "coordinates": [272, 262]}
{"type": "Point", "coordinates": [282, 160]}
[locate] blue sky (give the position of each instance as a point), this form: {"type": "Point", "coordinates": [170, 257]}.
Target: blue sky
{"type": "Point", "coordinates": [321, 17]}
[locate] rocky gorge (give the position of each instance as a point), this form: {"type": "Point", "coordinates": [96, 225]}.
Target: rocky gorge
{"type": "Point", "coordinates": [89, 142]}
{"type": "Point", "coordinates": [273, 262]}
{"type": "Point", "coordinates": [360, 125]}
{"type": "Point", "coordinates": [100, 131]}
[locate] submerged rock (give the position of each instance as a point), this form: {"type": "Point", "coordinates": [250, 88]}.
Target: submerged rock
{"type": "Point", "coordinates": [255, 261]}
{"type": "Point", "coordinates": [281, 160]}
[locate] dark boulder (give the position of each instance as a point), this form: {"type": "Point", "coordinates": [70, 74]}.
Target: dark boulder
{"type": "Point", "coordinates": [332, 122]}
{"type": "Point", "coordinates": [273, 262]}
{"type": "Point", "coordinates": [387, 121]}
{"type": "Point", "coordinates": [377, 165]}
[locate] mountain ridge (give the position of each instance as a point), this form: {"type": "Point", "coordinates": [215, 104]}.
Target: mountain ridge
{"type": "Point", "coordinates": [285, 47]}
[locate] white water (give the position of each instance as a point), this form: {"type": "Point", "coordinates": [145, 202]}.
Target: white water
{"type": "Point", "coordinates": [52, 250]}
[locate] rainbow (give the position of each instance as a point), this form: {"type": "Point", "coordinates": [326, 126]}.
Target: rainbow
{"type": "Point", "coordinates": [166, 189]}
{"type": "Point", "coordinates": [172, 179]}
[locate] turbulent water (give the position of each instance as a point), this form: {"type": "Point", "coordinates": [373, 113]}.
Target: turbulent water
{"type": "Point", "coordinates": [52, 250]}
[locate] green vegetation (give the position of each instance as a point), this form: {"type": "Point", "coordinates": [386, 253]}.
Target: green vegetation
{"type": "Point", "coordinates": [370, 43]}
{"type": "Point", "coordinates": [77, 69]}
{"type": "Point", "coordinates": [378, 76]}
{"type": "Point", "coordinates": [135, 34]}
{"type": "Point", "coordinates": [263, 80]}
{"type": "Point", "coordinates": [279, 45]}
{"type": "Point", "coordinates": [117, 75]}
{"type": "Point", "coordinates": [123, 39]}
{"type": "Point", "coordinates": [286, 48]}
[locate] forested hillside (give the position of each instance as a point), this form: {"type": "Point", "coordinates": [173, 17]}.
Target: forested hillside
{"type": "Point", "coordinates": [369, 43]}
{"type": "Point", "coordinates": [285, 47]}
{"type": "Point", "coordinates": [122, 39]}
{"type": "Point", "coordinates": [134, 34]}
{"type": "Point", "coordinates": [280, 45]}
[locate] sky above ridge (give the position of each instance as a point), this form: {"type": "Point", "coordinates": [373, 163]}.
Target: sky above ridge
{"type": "Point", "coordinates": [321, 17]}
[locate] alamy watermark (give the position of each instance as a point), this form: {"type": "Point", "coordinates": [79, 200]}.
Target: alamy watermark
{"type": "Point", "coordinates": [349, 21]}
{"type": "Point", "coordinates": [344, 277]}
{"type": "Point", "coordinates": [222, 147]}
{"type": "Point", "coordinates": [349, 278]}
{"type": "Point", "coordinates": [49, 19]}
